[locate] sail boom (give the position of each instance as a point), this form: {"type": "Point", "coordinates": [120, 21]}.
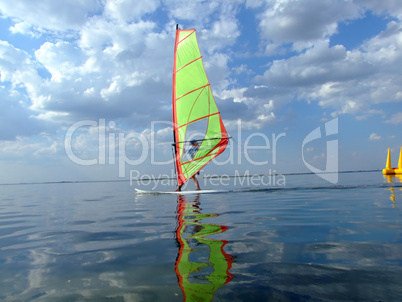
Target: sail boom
{"type": "Point", "coordinates": [200, 140]}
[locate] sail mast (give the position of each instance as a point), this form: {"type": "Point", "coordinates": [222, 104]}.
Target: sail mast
{"type": "Point", "coordinates": [175, 132]}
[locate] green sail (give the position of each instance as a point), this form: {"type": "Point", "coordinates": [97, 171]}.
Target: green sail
{"type": "Point", "coordinates": [195, 113]}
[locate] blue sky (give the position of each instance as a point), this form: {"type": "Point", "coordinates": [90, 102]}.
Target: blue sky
{"type": "Point", "coordinates": [277, 69]}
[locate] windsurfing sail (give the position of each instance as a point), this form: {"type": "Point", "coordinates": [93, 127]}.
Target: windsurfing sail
{"type": "Point", "coordinates": [195, 114]}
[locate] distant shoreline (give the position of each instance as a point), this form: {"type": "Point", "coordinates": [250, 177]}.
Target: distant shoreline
{"type": "Point", "coordinates": [147, 179]}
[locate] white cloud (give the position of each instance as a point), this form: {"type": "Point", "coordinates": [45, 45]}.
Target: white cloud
{"type": "Point", "coordinates": [303, 22]}
{"type": "Point", "coordinates": [217, 71]}
{"type": "Point", "coordinates": [49, 14]}
{"type": "Point", "coordinates": [23, 86]}
{"type": "Point", "coordinates": [395, 119]}
{"type": "Point", "coordinates": [242, 69]}
{"type": "Point", "coordinates": [348, 81]}
{"type": "Point", "coordinates": [15, 117]}
{"type": "Point", "coordinates": [391, 7]}
{"type": "Point", "coordinates": [331, 75]}
{"type": "Point", "coordinates": [375, 137]}
{"type": "Point", "coordinates": [384, 52]}
{"type": "Point", "coordinates": [115, 57]}
{"type": "Point", "coordinates": [192, 10]}
{"type": "Point", "coordinates": [61, 59]}
{"type": "Point", "coordinates": [17, 66]}
{"type": "Point", "coordinates": [109, 63]}
{"type": "Point", "coordinates": [318, 65]}
{"type": "Point", "coordinates": [27, 147]}
{"type": "Point", "coordinates": [224, 32]}
{"type": "Point", "coordinates": [254, 3]}
{"type": "Point", "coordinates": [129, 10]}
{"type": "Point", "coordinates": [51, 116]}
{"type": "Point", "coordinates": [367, 114]}
{"type": "Point", "coordinates": [23, 28]}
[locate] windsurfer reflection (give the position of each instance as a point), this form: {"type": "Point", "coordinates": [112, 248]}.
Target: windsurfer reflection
{"type": "Point", "coordinates": [192, 151]}
{"type": "Point", "coordinates": [202, 266]}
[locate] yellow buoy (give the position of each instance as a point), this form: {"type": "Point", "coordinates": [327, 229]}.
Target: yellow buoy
{"type": "Point", "coordinates": [399, 169]}
{"type": "Point", "coordinates": [388, 168]}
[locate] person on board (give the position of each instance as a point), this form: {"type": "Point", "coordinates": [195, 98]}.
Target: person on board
{"type": "Point", "coordinates": [192, 151]}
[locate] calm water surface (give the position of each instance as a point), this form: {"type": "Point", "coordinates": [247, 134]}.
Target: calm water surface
{"type": "Point", "coordinates": [306, 241]}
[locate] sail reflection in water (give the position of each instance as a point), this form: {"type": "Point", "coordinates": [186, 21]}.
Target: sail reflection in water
{"type": "Point", "coordinates": [202, 266]}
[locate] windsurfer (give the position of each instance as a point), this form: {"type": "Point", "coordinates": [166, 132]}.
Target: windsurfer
{"type": "Point", "coordinates": [192, 151]}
